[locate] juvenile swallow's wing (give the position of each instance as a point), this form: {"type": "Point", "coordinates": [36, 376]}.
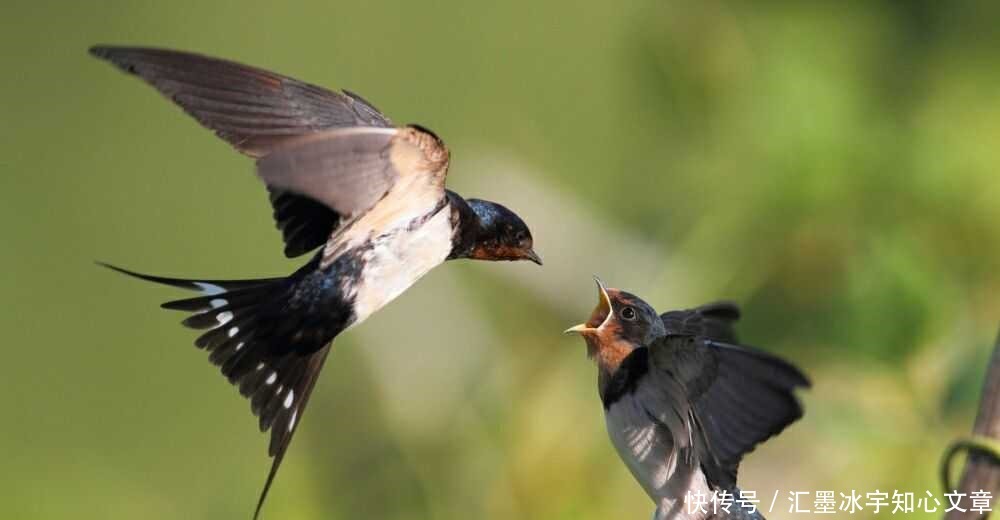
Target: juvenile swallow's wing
{"type": "Point", "coordinates": [739, 397]}
{"type": "Point", "coordinates": [254, 110]}
{"type": "Point", "coordinates": [712, 320]}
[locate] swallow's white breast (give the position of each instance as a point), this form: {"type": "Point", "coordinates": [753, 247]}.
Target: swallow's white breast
{"type": "Point", "coordinates": [398, 259]}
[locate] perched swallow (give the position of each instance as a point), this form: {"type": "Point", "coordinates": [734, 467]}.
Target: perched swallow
{"type": "Point", "coordinates": [341, 177]}
{"type": "Point", "coordinates": [683, 401]}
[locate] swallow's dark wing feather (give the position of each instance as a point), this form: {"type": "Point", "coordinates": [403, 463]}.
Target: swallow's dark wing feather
{"type": "Point", "coordinates": [713, 320]}
{"type": "Point", "coordinates": [305, 224]}
{"type": "Point", "coordinates": [254, 110]}
{"type": "Point", "coordinates": [740, 396]}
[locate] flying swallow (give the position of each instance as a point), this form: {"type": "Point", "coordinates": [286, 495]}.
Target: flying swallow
{"type": "Point", "coordinates": [342, 178]}
{"type": "Point", "coordinates": [683, 401]}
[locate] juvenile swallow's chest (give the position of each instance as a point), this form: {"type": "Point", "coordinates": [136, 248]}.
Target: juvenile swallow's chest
{"type": "Point", "coordinates": [646, 448]}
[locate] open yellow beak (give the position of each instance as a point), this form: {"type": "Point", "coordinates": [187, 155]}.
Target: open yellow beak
{"type": "Point", "coordinates": [577, 329]}
{"type": "Point", "coordinates": [600, 314]}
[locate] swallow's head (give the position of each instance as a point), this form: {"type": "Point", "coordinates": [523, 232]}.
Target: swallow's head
{"type": "Point", "coordinates": [620, 323]}
{"type": "Point", "coordinates": [502, 235]}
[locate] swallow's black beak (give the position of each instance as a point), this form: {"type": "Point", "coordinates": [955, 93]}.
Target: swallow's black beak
{"type": "Point", "coordinates": [533, 256]}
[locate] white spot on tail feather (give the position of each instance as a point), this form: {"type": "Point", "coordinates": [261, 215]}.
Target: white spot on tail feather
{"type": "Point", "coordinates": [291, 421]}
{"type": "Point", "coordinates": [209, 289]}
{"type": "Point", "coordinates": [239, 346]}
{"type": "Point", "coordinates": [218, 302]}
{"type": "Point", "coordinates": [233, 331]}
{"type": "Point", "coordinates": [224, 317]}
{"type": "Point", "coordinates": [290, 399]}
{"type": "Point", "coordinates": [271, 378]}
{"type": "Point", "coordinates": [260, 366]}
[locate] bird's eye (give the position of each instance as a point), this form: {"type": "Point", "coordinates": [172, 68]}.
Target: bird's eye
{"type": "Point", "coordinates": [520, 236]}
{"type": "Point", "coordinates": [628, 313]}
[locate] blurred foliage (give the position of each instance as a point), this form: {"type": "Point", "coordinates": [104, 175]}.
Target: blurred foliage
{"type": "Point", "coordinates": [829, 165]}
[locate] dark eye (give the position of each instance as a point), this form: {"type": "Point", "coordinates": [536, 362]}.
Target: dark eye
{"type": "Point", "coordinates": [628, 314]}
{"type": "Point", "coordinates": [520, 236]}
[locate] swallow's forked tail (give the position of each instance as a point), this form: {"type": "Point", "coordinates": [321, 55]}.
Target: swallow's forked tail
{"type": "Point", "coordinates": [267, 341]}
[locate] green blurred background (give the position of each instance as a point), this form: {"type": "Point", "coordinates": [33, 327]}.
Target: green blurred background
{"type": "Point", "coordinates": [830, 166]}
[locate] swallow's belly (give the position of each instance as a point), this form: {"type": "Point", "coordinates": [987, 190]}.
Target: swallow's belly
{"type": "Point", "coordinates": [646, 448]}
{"type": "Point", "coordinates": [397, 259]}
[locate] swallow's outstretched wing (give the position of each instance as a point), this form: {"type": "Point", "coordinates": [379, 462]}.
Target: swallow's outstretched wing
{"type": "Point", "coordinates": [350, 169]}
{"type": "Point", "coordinates": [736, 396]}
{"type": "Point", "coordinates": [255, 111]}
{"type": "Point", "coordinates": [252, 109]}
